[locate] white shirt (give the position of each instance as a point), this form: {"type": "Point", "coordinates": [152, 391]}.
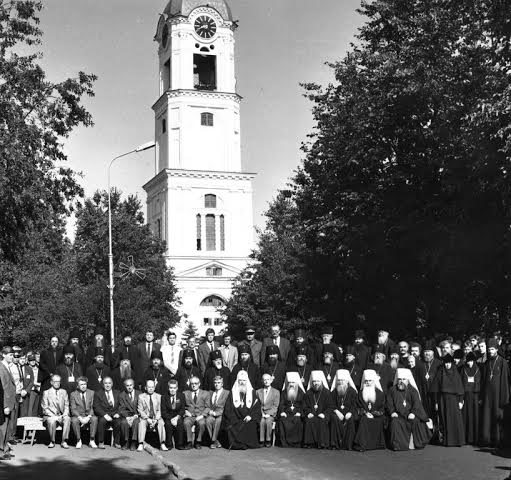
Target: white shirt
{"type": "Point", "coordinates": [170, 354]}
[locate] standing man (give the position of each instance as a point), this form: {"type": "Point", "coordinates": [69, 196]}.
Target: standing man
{"type": "Point", "coordinates": [50, 358]}
{"type": "Point", "coordinates": [255, 345]}
{"type": "Point", "coordinates": [214, 419]}
{"type": "Point", "coordinates": [128, 351]}
{"type": "Point", "coordinates": [171, 354]}
{"type": "Point", "coordinates": [205, 350]}
{"type": "Point", "coordinates": [128, 408]}
{"type": "Point", "coordinates": [362, 351]}
{"type": "Point", "coordinates": [246, 364]}
{"type": "Point", "coordinates": [157, 373]}
{"type": "Point", "coordinates": [27, 374]}
{"type": "Point", "coordinates": [276, 339]}
{"type": "Point", "coordinates": [82, 412]}
{"type": "Point", "coordinates": [187, 370]}
{"type": "Point", "coordinates": [9, 401]}
{"type": "Point", "coordinates": [98, 370]}
{"type": "Point", "coordinates": [55, 406]}
{"type": "Point", "coordinates": [99, 342]}
{"type": "Point", "coordinates": [17, 375]}
{"type": "Point", "coordinates": [145, 350]}
{"type": "Point", "coordinates": [149, 411]}
{"type": "Point", "coordinates": [229, 353]}
{"type": "Point", "coordinates": [106, 408]}
{"type": "Point", "coordinates": [270, 399]}
{"type": "Point", "coordinates": [216, 369]}
{"type": "Point", "coordinates": [198, 404]}
{"type": "Point", "coordinates": [69, 370]}
{"type": "Point", "coordinates": [274, 367]}
{"type": "Point", "coordinates": [327, 335]}
{"type": "Point", "coordinates": [33, 402]}
{"type": "Point", "coordinates": [79, 351]}
{"type": "Point", "coordinates": [172, 411]}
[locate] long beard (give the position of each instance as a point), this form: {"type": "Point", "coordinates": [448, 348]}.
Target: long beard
{"type": "Point", "coordinates": [242, 389]}
{"type": "Point", "coordinates": [244, 363]}
{"type": "Point", "coordinates": [382, 339]}
{"type": "Point", "coordinates": [272, 362]}
{"type": "Point", "coordinates": [291, 394]}
{"type": "Point", "coordinates": [369, 394]}
{"type": "Point", "coordinates": [342, 389]}
{"type": "Point", "coordinates": [126, 371]}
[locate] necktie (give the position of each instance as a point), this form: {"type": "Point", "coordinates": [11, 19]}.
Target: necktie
{"type": "Point", "coordinates": [226, 354]}
{"type": "Point", "coordinates": [214, 398]}
{"type": "Point", "coordinates": [110, 399]}
{"type": "Point", "coordinates": [274, 341]}
{"type": "Point", "coordinates": [173, 401]}
{"type": "Point", "coordinates": [148, 350]}
{"type": "Point", "coordinates": [195, 397]}
{"type": "Point", "coordinates": [151, 407]}
{"type": "Point", "coordinates": [83, 400]}
{"type": "Point", "coordinates": [132, 395]}
{"type": "Point", "coordinates": [172, 354]}
{"type": "Point", "coordinates": [211, 346]}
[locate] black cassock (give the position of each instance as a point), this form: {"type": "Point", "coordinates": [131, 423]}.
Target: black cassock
{"type": "Point", "coordinates": [471, 378]}
{"type": "Point", "coordinates": [329, 371]}
{"type": "Point", "coordinates": [212, 372]}
{"type": "Point", "coordinates": [277, 372]}
{"type": "Point", "coordinates": [495, 397]}
{"type": "Point", "coordinates": [316, 432]}
{"type": "Point", "coordinates": [242, 435]}
{"type": "Point", "coordinates": [449, 393]}
{"type": "Point", "coordinates": [253, 373]}
{"type": "Point", "coordinates": [401, 428]}
{"type": "Point", "coordinates": [355, 373]}
{"type": "Point", "coordinates": [342, 433]}
{"type": "Point", "coordinates": [385, 373]}
{"type": "Point", "coordinates": [429, 399]}
{"type": "Point", "coordinates": [290, 428]}
{"type": "Point", "coordinates": [371, 431]}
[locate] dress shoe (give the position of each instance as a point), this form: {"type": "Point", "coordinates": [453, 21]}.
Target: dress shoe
{"type": "Point", "coordinates": [125, 447]}
{"type": "Point", "coordinates": [92, 444]}
{"type": "Point", "coordinates": [79, 444]}
{"type": "Point", "coordinates": [164, 448]}
{"type": "Point", "coordinates": [218, 444]}
{"type": "Point", "coordinates": [140, 447]}
{"type": "Point", "coordinates": [133, 446]}
{"type": "Point", "coordinates": [267, 444]}
{"type": "Point", "coordinates": [51, 445]}
{"type": "Point", "coordinates": [188, 446]}
{"type": "Point", "coordinates": [101, 446]}
{"type": "Point", "coordinates": [12, 442]}
{"type": "Point", "coordinates": [261, 444]}
{"type": "Point", "coordinates": [116, 445]}
{"type": "Point", "coordinates": [197, 446]}
{"type": "Point", "coordinates": [64, 444]}
{"type": "Point", "coordinates": [213, 445]}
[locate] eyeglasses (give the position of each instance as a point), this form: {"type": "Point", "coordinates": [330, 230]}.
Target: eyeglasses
{"type": "Point", "coordinates": [194, 384]}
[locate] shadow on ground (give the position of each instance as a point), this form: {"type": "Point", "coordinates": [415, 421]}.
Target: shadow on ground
{"type": "Point", "coordinates": [61, 469]}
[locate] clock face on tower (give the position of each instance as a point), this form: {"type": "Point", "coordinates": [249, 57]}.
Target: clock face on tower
{"type": "Point", "coordinates": [205, 27]}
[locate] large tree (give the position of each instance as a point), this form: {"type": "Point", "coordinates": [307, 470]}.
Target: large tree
{"type": "Point", "coordinates": [36, 115]}
{"type": "Point", "coordinates": [403, 199]}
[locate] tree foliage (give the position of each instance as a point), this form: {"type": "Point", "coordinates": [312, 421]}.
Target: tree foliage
{"type": "Point", "coordinates": [402, 205]}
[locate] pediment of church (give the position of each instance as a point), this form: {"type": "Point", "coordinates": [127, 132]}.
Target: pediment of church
{"type": "Point", "coordinates": [202, 270]}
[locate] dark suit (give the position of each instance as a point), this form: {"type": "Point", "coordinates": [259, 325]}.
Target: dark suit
{"type": "Point", "coordinates": [203, 353]}
{"type": "Point", "coordinates": [128, 408]}
{"type": "Point", "coordinates": [170, 410]}
{"type": "Point", "coordinates": [79, 408]}
{"type": "Point", "coordinates": [144, 360]}
{"type": "Point", "coordinates": [196, 408]}
{"type": "Point", "coordinates": [48, 365]}
{"type": "Point", "coordinates": [102, 408]}
{"type": "Point", "coordinates": [284, 347]}
{"type": "Point", "coordinates": [28, 383]}
{"type": "Point", "coordinates": [9, 401]}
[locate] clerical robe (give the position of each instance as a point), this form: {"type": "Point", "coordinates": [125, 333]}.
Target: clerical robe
{"type": "Point", "coordinates": [430, 372]}
{"type": "Point", "coordinates": [495, 397]}
{"type": "Point", "coordinates": [471, 378]}
{"type": "Point", "coordinates": [385, 373]}
{"type": "Point", "coordinates": [316, 432]}
{"type": "Point", "coordinates": [371, 431]}
{"type": "Point", "coordinates": [304, 372]}
{"type": "Point", "coordinates": [212, 372]}
{"type": "Point", "coordinates": [329, 371]}
{"type": "Point", "coordinates": [277, 372]}
{"type": "Point", "coordinates": [290, 427]}
{"type": "Point", "coordinates": [184, 375]}
{"type": "Point", "coordinates": [253, 372]}
{"type": "Point", "coordinates": [403, 430]}
{"type": "Point", "coordinates": [449, 392]}
{"type": "Point", "coordinates": [242, 435]}
{"type": "Point", "coordinates": [355, 373]}
{"type": "Point", "coordinates": [342, 432]}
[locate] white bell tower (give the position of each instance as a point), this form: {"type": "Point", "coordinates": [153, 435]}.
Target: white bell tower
{"type": "Point", "coordinates": [200, 201]}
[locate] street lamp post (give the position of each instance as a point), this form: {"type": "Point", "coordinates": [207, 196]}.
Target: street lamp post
{"type": "Point", "coordinates": [141, 148]}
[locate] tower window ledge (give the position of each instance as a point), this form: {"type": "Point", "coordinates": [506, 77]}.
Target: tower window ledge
{"type": "Point", "coordinates": [204, 86]}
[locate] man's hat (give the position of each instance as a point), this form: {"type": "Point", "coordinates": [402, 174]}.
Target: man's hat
{"type": "Point", "coordinates": [327, 330]}
{"type": "Point", "coordinates": [448, 358]}
{"type": "Point", "coordinates": [156, 354]}
{"type": "Point", "coordinates": [430, 345]}
{"type": "Point", "coordinates": [99, 330]}
{"type": "Point", "coordinates": [458, 354]}
{"type": "Point", "coordinates": [301, 350]}
{"type": "Point", "coordinates": [393, 349]}
{"type": "Point", "coordinates": [215, 355]}
{"type": "Point", "coordinates": [471, 357]}
{"type": "Point", "coordinates": [99, 351]}
{"type": "Point", "coordinates": [249, 329]}
{"type": "Point", "coordinates": [188, 352]}
{"type": "Point", "coordinates": [300, 332]}
{"type": "Point", "coordinates": [349, 350]}
{"type": "Point", "coordinates": [272, 350]}
{"type": "Point", "coordinates": [124, 356]}
{"type": "Point", "coordinates": [125, 334]}
{"type": "Point", "coordinates": [74, 333]}
{"type": "Point", "coordinates": [244, 348]}
{"type": "Point", "coordinates": [360, 334]}
{"type": "Point", "coordinates": [31, 357]}
{"type": "Point", "coordinates": [493, 343]}
{"type": "Point", "coordinates": [328, 348]}
{"type": "Point", "coordinates": [68, 349]}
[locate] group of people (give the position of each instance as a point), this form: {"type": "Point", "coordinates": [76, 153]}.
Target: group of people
{"type": "Point", "coordinates": [253, 393]}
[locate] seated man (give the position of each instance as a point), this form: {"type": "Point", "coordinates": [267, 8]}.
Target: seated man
{"type": "Point", "coordinates": [270, 399]}
{"type": "Point", "coordinates": [198, 404]}
{"type": "Point", "coordinates": [214, 418]}
{"type": "Point", "coordinates": [344, 406]}
{"type": "Point", "coordinates": [82, 412]}
{"type": "Point", "coordinates": [317, 407]}
{"type": "Point", "coordinates": [289, 425]}
{"type": "Point", "coordinates": [172, 411]}
{"type": "Point", "coordinates": [106, 408]}
{"type": "Point", "coordinates": [55, 407]}
{"type": "Point", "coordinates": [242, 414]}
{"type": "Point", "coordinates": [128, 408]}
{"type": "Point", "coordinates": [149, 411]}
{"type": "Point", "coordinates": [408, 429]}
{"type": "Point", "coordinates": [371, 410]}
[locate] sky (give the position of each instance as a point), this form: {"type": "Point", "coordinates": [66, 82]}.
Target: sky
{"type": "Point", "coordinates": [279, 44]}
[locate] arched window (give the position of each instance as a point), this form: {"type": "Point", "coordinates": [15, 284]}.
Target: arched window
{"type": "Point", "coordinates": [206, 119]}
{"type": "Point", "coordinates": [212, 301]}
{"type": "Point", "coordinates": [222, 233]}
{"type": "Point", "coordinates": [199, 233]}
{"type": "Point", "coordinates": [210, 232]}
{"type": "Point", "coordinates": [210, 200]}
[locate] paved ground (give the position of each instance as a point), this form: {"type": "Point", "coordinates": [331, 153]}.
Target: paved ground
{"type": "Point", "coordinates": [40, 463]}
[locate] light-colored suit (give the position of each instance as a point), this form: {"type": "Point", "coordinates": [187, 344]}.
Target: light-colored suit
{"type": "Point", "coordinates": [269, 406]}
{"type": "Point", "coordinates": [229, 356]}
{"type": "Point", "coordinates": [144, 412]}
{"type": "Point", "coordinates": [214, 418]}
{"type": "Point", "coordinates": [80, 409]}
{"type": "Point", "coordinates": [55, 406]}
{"type": "Point", "coordinates": [9, 387]}
{"type": "Point", "coordinates": [194, 409]}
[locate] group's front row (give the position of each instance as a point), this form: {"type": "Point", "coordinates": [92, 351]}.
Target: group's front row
{"type": "Point", "coordinates": [340, 418]}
